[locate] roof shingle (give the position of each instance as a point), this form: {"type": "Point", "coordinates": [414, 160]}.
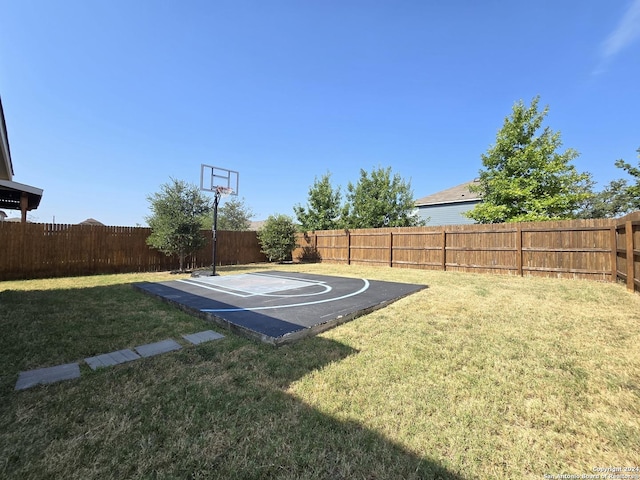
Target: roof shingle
{"type": "Point", "coordinates": [457, 194]}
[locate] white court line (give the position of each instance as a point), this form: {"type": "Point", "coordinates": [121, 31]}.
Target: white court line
{"type": "Point", "coordinates": [287, 277]}
{"type": "Point", "coordinates": [363, 289]}
{"type": "Point", "coordinates": [248, 293]}
{"type": "Point", "coordinates": [230, 292]}
{"type": "Point", "coordinates": [327, 288]}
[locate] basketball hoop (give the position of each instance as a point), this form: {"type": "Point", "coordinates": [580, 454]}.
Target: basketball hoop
{"type": "Point", "coordinates": [222, 183]}
{"type": "Point", "coordinates": [224, 192]}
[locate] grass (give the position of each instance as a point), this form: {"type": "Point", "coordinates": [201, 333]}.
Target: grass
{"type": "Point", "coordinates": [477, 376]}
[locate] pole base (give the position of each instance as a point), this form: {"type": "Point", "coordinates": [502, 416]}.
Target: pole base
{"type": "Point", "coordinates": [204, 273]}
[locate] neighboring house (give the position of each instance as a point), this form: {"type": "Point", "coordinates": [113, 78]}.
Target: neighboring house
{"type": "Point", "coordinates": [447, 207]}
{"type": "Point", "coordinates": [92, 221]}
{"type": "Point", "coordinates": [257, 225]}
{"type": "Point", "coordinates": [14, 195]}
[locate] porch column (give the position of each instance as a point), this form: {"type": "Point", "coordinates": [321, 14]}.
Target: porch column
{"type": "Point", "coordinates": [24, 205]}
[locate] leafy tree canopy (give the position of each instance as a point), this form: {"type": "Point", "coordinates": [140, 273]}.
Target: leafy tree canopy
{"type": "Point", "coordinates": [632, 190]}
{"type": "Point", "coordinates": [278, 237]}
{"type": "Point", "coordinates": [379, 199]}
{"type": "Point", "coordinates": [175, 221]}
{"type": "Point", "coordinates": [525, 178]}
{"type": "Point", "coordinates": [323, 207]}
{"type": "Point", "coordinates": [618, 198]}
{"type": "Point", "coordinates": [233, 214]}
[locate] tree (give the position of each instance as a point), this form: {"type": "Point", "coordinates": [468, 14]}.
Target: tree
{"type": "Point", "coordinates": [323, 206]}
{"type": "Point", "coordinates": [611, 202]}
{"type": "Point", "coordinates": [632, 191]}
{"type": "Point", "coordinates": [175, 221]}
{"type": "Point", "coordinates": [278, 237]}
{"type": "Point", "coordinates": [380, 200]}
{"type": "Point", "coordinates": [525, 177]}
{"type": "Point", "coordinates": [233, 214]}
{"type": "Point", "coordinates": [617, 198]}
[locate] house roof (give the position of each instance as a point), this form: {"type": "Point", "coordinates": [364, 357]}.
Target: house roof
{"type": "Point", "coordinates": [257, 225]}
{"type": "Point", "coordinates": [458, 194]}
{"type": "Point", "coordinates": [92, 221]}
{"type": "Point", "coordinates": [6, 167]}
{"type": "Point", "coordinates": [13, 195]}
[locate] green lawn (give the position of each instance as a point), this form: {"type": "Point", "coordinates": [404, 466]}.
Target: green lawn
{"type": "Point", "coordinates": [477, 376]}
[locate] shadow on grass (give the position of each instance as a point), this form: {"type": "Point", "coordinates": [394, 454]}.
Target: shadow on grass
{"type": "Point", "coordinates": [43, 328]}
{"type": "Point", "coordinates": [218, 410]}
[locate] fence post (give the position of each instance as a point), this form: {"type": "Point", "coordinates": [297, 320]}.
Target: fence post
{"type": "Point", "coordinates": [444, 249]}
{"type": "Point", "coordinates": [391, 249]}
{"type": "Point", "coordinates": [519, 249]}
{"type": "Point", "coordinates": [348, 247]}
{"type": "Point", "coordinates": [628, 228]}
{"type": "Point", "coordinates": [613, 240]}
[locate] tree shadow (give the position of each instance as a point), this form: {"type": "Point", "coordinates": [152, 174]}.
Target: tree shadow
{"type": "Point", "coordinates": [297, 440]}
{"type": "Point", "coordinates": [309, 255]}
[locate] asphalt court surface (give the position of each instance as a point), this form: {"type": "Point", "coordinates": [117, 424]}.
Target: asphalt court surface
{"type": "Point", "coordinates": [279, 307]}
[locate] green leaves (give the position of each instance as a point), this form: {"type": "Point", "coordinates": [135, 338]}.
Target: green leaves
{"type": "Point", "coordinates": [175, 221]}
{"type": "Point", "coordinates": [233, 214]}
{"type": "Point", "coordinates": [617, 198]}
{"type": "Point", "coordinates": [323, 207]}
{"type": "Point", "coordinates": [525, 177]}
{"type": "Point", "coordinates": [632, 191]}
{"type": "Point", "coordinates": [278, 237]}
{"type": "Point", "coordinates": [379, 199]}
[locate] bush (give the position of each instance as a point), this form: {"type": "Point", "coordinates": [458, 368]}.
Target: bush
{"type": "Point", "coordinates": [278, 237]}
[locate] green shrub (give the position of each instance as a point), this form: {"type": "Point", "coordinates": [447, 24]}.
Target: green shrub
{"type": "Point", "coordinates": [278, 237]}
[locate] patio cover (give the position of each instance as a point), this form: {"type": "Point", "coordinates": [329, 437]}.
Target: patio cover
{"type": "Point", "coordinates": [14, 195]}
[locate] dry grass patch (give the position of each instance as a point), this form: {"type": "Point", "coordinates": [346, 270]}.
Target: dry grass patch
{"type": "Point", "coordinates": [498, 376]}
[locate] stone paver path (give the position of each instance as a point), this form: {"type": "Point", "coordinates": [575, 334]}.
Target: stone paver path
{"type": "Point", "coordinates": [201, 337]}
{"type": "Point", "coordinates": [110, 359]}
{"type": "Point", "coordinates": [32, 378]}
{"type": "Point", "coordinates": [153, 349]}
{"type": "Point", "coordinates": [70, 371]}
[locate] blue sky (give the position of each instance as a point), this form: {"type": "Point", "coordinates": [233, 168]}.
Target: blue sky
{"type": "Point", "coordinates": [107, 100]}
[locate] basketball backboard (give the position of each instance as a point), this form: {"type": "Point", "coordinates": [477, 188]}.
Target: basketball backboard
{"type": "Point", "coordinates": [217, 179]}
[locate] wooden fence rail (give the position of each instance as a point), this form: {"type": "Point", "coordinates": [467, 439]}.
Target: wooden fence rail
{"type": "Point", "coordinates": [35, 250]}
{"type": "Point", "coordinates": [590, 249]}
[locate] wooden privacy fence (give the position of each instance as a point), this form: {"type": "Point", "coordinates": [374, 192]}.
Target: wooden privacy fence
{"type": "Point", "coordinates": [36, 250]}
{"type": "Point", "coordinates": [605, 249]}
{"type": "Point", "coordinates": [627, 248]}
{"type": "Point", "coordinates": [589, 249]}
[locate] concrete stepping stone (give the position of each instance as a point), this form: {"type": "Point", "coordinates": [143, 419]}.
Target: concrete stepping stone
{"type": "Point", "coordinates": [112, 358]}
{"type": "Point", "coordinates": [201, 337]}
{"type": "Point", "coordinates": [58, 373]}
{"type": "Point", "coordinates": [152, 349]}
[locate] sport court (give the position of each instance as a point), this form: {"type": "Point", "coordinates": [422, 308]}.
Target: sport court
{"type": "Point", "coordinates": [278, 307]}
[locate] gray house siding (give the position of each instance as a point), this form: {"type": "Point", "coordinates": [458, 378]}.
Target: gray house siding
{"type": "Point", "coordinates": [447, 214]}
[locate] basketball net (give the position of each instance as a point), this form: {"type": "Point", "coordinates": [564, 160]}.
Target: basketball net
{"type": "Point", "coordinates": [223, 192]}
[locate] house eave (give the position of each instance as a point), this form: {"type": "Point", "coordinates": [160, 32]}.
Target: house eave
{"type": "Point", "coordinates": [11, 194]}
{"type": "Point", "coordinates": [449, 202]}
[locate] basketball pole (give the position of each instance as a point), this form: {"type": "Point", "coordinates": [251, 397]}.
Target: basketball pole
{"type": "Point", "coordinates": [216, 201]}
